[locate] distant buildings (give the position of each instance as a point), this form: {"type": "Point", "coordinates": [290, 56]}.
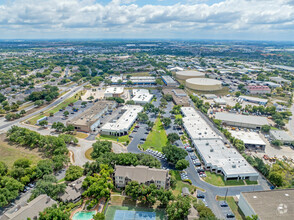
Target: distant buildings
{"type": "Point", "coordinates": [141, 174]}
{"type": "Point", "coordinates": [279, 79]}
{"type": "Point", "coordinates": [89, 120]}
{"type": "Point", "coordinates": [253, 90]}
{"type": "Point", "coordinates": [142, 80]}
{"type": "Point", "coordinates": [254, 100]}
{"type": "Point", "coordinates": [113, 92]}
{"type": "Point", "coordinates": [31, 210]}
{"type": "Point", "coordinates": [141, 96]}
{"type": "Point", "coordinates": [268, 205]}
{"type": "Point", "coordinates": [122, 125]}
{"type": "Point", "coordinates": [168, 80]}
{"type": "Point", "coordinates": [179, 96]}
{"type": "Point", "coordinates": [237, 120]}
{"type": "Point", "coordinates": [282, 136]}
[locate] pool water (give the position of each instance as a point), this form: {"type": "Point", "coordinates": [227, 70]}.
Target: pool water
{"type": "Point", "coordinates": [83, 215]}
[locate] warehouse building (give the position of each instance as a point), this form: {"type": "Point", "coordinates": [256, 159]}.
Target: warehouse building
{"type": "Point", "coordinates": [237, 120]}
{"type": "Point", "coordinates": [142, 80]}
{"type": "Point", "coordinates": [179, 96]}
{"type": "Point", "coordinates": [268, 205]}
{"type": "Point", "coordinates": [168, 80]}
{"type": "Point", "coordinates": [121, 126]}
{"type": "Point", "coordinates": [279, 79]}
{"type": "Point", "coordinates": [204, 84]}
{"type": "Point", "coordinates": [250, 139]}
{"type": "Point", "coordinates": [89, 120]}
{"type": "Point", "coordinates": [212, 150]}
{"type": "Point", "coordinates": [113, 92]}
{"type": "Point", "coordinates": [253, 90]}
{"type": "Point", "coordinates": [141, 96]}
{"type": "Point", "coordinates": [254, 100]}
{"type": "Point", "coordinates": [282, 136]}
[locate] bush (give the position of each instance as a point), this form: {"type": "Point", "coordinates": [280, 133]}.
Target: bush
{"type": "Point", "coordinates": [188, 181]}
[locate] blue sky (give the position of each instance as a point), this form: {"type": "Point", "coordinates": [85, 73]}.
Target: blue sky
{"type": "Point", "coordinates": [185, 19]}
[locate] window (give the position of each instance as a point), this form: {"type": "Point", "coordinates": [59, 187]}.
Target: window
{"type": "Point", "coordinates": [120, 177]}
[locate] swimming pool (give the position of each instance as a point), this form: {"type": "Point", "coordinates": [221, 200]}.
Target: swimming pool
{"type": "Point", "coordinates": [83, 215]}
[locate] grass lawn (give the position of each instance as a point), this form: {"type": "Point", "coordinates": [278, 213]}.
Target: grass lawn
{"type": "Point", "coordinates": [110, 212]}
{"type": "Point", "coordinates": [248, 182]}
{"type": "Point", "coordinates": [61, 180]}
{"type": "Point", "coordinates": [179, 116]}
{"type": "Point", "coordinates": [234, 207]}
{"type": "Point", "coordinates": [81, 135]}
{"type": "Point", "coordinates": [218, 180]}
{"type": "Point", "coordinates": [138, 74]}
{"type": "Point", "coordinates": [53, 110]}
{"type": "Point", "coordinates": [121, 139]}
{"type": "Point", "coordinates": [10, 153]}
{"type": "Point", "coordinates": [88, 153]}
{"type": "Point", "coordinates": [180, 184]}
{"type": "Point", "coordinates": [157, 138]}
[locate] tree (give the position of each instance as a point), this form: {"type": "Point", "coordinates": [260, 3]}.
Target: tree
{"type": "Point", "coordinates": [58, 126]}
{"type": "Point", "coordinates": [182, 164]}
{"type": "Point", "coordinates": [238, 93]}
{"type": "Point", "coordinates": [166, 122]}
{"type": "Point", "coordinates": [43, 123]}
{"type": "Point", "coordinates": [130, 102]}
{"type": "Point", "coordinates": [44, 167]}
{"type": "Point", "coordinates": [84, 103]}
{"type": "Point", "coordinates": [143, 117]}
{"type": "Point", "coordinates": [54, 212]}
{"type": "Point", "coordinates": [277, 143]}
{"type": "Point", "coordinates": [3, 169]}
{"type": "Point", "coordinates": [181, 86]}
{"type": "Point", "coordinates": [2, 98]}
{"type": "Point", "coordinates": [168, 97]}
{"type": "Point", "coordinates": [22, 162]}
{"type": "Point", "coordinates": [150, 124]}
{"type": "Point", "coordinates": [178, 209]}
{"type": "Point", "coordinates": [65, 113]}
{"type": "Point", "coordinates": [38, 103]}
{"type": "Point", "coordinates": [174, 154]}
{"type": "Point", "coordinates": [265, 128]}
{"type": "Point", "coordinates": [173, 137]}
{"type": "Point", "coordinates": [252, 217]}
{"type": "Point", "coordinates": [22, 112]}
{"type": "Point", "coordinates": [48, 185]}
{"type": "Point", "coordinates": [9, 189]}
{"type": "Point", "coordinates": [132, 189]}
{"type": "Point", "coordinates": [99, 216]}
{"type": "Point", "coordinates": [276, 178]}
{"type": "Point", "coordinates": [129, 82]}
{"type": "Point", "coordinates": [73, 173]}
{"type": "Point", "coordinates": [164, 196]}
{"type": "Point", "coordinates": [100, 147]}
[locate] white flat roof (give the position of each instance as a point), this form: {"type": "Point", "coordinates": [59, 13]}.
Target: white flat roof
{"type": "Point", "coordinates": [114, 90]}
{"type": "Point", "coordinates": [254, 99]}
{"type": "Point", "coordinates": [243, 119]}
{"type": "Point", "coordinates": [125, 122]}
{"type": "Point", "coordinates": [196, 126]}
{"type": "Point", "coordinates": [218, 156]}
{"type": "Point", "coordinates": [248, 137]}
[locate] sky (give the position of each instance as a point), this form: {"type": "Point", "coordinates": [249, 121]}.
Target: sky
{"type": "Point", "coordinates": [148, 19]}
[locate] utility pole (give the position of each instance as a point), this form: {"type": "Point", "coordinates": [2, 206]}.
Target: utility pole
{"type": "Point", "coordinates": [226, 194]}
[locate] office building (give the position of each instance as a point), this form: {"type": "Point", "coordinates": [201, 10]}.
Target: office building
{"type": "Point", "coordinates": [282, 136]}
{"type": "Point", "coordinates": [141, 96]}
{"type": "Point", "coordinates": [168, 80]}
{"type": "Point", "coordinates": [113, 92]}
{"type": "Point", "coordinates": [179, 96]}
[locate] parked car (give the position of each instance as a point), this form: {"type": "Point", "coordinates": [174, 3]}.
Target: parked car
{"type": "Point", "coordinates": [230, 215]}
{"type": "Point", "coordinates": [200, 196]}
{"type": "Point", "coordinates": [224, 204]}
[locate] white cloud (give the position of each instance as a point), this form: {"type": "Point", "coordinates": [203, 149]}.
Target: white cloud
{"type": "Point", "coordinates": [125, 16]}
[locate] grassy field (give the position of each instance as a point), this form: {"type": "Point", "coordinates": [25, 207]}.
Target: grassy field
{"type": "Point", "coordinates": [88, 153]}
{"type": "Point", "coordinates": [53, 110]}
{"type": "Point", "coordinates": [180, 184]}
{"type": "Point", "coordinates": [110, 212]}
{"type": "Point", "coordinates": [81, 135]}
{"type": "Point", "coordinates": [121, 139]}
{"type": "Point", "coordinates": [157, 138]}
{"type": "Point", "coordinates": [138, 74]}
{"type": "Point", "coordinates": [234, 207]}
{"type": "Point", "coordinates": [10, 153]}
{"type": "Point", "coordinates": [218, 180]}
{"type": "Point", "coordinates": [248, 182]}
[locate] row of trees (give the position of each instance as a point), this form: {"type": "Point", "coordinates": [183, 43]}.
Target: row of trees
{"type": "Point", "coordinates": [49, 93]}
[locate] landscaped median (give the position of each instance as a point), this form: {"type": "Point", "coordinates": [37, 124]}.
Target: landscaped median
{"type": "Point", "coordinates": [157, 138]}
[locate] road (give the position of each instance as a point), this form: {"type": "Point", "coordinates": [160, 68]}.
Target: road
{"type": "Point", "coordinates": [291, 121]}
{"type": "Point", "coordinates": [73, 89]}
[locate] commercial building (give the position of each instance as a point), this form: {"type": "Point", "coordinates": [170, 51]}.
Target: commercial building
{"type": "Point", "coordinates": [281, 136]}
{"type": "Point", "coordinates": [279, 79]}
{"type": "Point", "coordinates": [268, 205]}
{"type": "Point", "coordinates": [141, 96]}
{"type": "Point", "coordinates": [183, 75]}
{"type": "Point", "coordinates": [31, 210]}
{"type": "Point", "coordinates": [220, 101]}
{"type": "Point", "coordinates": [215, 155]}
{"type": "Point", "coordinates": [179, 96]}
{"type": "Point", "coordinates": [287, 68]}
{"type": "Point", "coordinates": [204, 84]}
{"type": "Point", "coordinates": [271, 84]}
{"type": "Point", "coordinates": [121, 126]}
{"type": "Point", "coordinates": [238, 120]}
{"type": "Point", "coordinates": [254, 100]}
{"type": "Point", "coordinates": [73, 191]}
{"type": "Point", "coordinates": [89, 120]}
{"type": "Point", "coordinates": [113, 92]}
{"type": "Point", "coordinates": [142, 80]}
{"type": "Point", "coordinates": [141, 174]}
{"type": "Point", "coordinates": [253, 90]}
{"type": "Point", "coordinates": [168, 80]}
{"type": "Point", "coordinates": [250, 139]}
